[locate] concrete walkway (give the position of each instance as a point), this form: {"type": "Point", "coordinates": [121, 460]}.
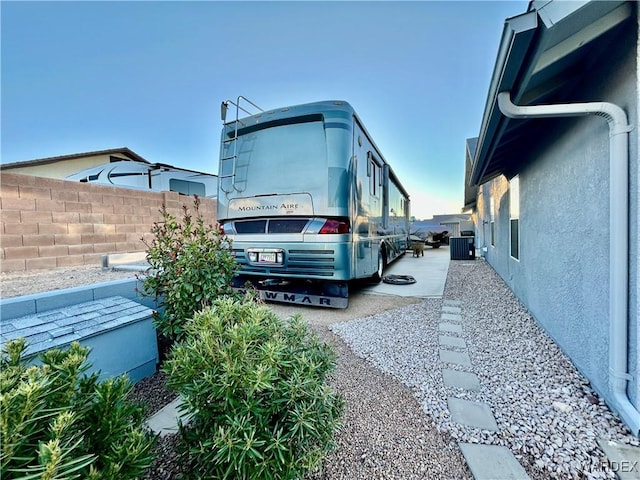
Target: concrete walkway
{"type": "Point", "coordinates": [430, 272]}
{"type": "Point", "coordinates": [165, 421]}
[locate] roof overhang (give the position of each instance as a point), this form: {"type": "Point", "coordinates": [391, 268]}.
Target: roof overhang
{"type": "Point", "coordinates": [542, 54]}
{"type": "Point", "coordinates": [44, 161]}
{"type": "Point", "coordinates": [470, 191]}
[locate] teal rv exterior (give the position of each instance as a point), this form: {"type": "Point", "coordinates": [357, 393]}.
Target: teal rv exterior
{"type": "Point", "coordinates": [308, 201]}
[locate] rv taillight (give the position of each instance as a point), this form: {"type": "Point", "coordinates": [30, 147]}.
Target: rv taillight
{"type": "Point", "coordinates": [334, 226]}
{"type": "Point", "coordinates": [227, 228]}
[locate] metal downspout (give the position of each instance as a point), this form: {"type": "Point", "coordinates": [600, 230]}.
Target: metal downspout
{"type": "Point", "coordinates": [618, 234]}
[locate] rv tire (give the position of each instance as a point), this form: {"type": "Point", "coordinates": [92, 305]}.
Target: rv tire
{"type": "Point", "coordinates": [382, 264]}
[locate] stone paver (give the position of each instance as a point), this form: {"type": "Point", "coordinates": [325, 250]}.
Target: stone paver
{"type": "Point", "coordinates": [446, 341]}
{"type": "Point", "coordinates": [486, 462]}
{"type": "Point", "coordinates": [451, 309]}
{"type": "Point", "coordinates": [450, 327]}
{"type": "Point", "coordinates": [452, 303]}
{"type": "Point", "coordinates": [451, 356]}
{"type": "Point", "coordinates": [492, 462]}
{"type": "Point", "coordinates": [473, 414]}
{"type": "Point", "coordinates": [624, 460]}
{"type": "Point", "coordinates": [60, 326]}
{"type": "Point", "coordinates": [165, 421]}
{"type": "Point", "coordinates": [457, 379]}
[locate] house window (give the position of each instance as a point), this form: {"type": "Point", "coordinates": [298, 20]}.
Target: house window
{"type": "Point", "coordinates": [492, 221]}
{"type": "Point", "coordinates": [514, 217]}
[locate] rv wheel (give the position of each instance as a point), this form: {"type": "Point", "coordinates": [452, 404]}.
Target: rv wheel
{"type": "Point", "coordinates": [382, 264]}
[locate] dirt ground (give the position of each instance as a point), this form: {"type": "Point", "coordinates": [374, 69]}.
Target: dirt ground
{"type": "Point", "coordinates": [14, 284]}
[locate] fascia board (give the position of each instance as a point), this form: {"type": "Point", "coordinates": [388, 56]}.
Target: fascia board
{"type": "Point", "coordinates": [517, 37]}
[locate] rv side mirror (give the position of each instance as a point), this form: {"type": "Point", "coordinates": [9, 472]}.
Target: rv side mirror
{"type": "Point", "coordinates": [223, 111]}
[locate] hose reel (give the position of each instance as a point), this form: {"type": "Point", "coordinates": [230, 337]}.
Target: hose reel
{"type": "Point", "coordinates": [399, 279]}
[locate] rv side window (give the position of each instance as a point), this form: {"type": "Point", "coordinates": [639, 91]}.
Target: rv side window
{"type": "Point", "coordinates": [187, 188]}
{"type": "Point", "coordinates": [90, 178]}
{"type": "Point", "coordinates": [374, 171]}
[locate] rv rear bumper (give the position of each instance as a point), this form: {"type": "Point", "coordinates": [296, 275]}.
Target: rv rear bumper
{"type": "Point", "coordinates": [319, 261]}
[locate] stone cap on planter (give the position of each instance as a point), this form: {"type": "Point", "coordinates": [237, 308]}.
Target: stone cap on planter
{"type": "Point", "coordinates": [118, 330]}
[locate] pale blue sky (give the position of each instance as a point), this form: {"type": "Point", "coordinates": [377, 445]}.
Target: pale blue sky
{"type": "Point", "coordinates": [84, 76]}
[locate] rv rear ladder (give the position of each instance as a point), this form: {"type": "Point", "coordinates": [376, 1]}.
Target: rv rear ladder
{"type": "Point", "coordinates": [233, 139]}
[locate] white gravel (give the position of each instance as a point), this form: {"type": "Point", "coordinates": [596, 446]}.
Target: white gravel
{"type": "Point", "coordinates": [545, 410]}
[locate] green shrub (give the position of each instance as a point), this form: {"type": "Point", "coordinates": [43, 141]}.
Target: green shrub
{"type": "Point", "coordinates": [256, 387]}
{"type": "Point", "coordinates": [57, 422]}
{"type": "Point", "coordinates": [190, 265]}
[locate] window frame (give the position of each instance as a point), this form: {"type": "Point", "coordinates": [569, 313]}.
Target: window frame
{"type": "Point", "coordinates": [514, 218]}
{"type": "Point", "coordinates": [374, 172]}
{"type": "Point", "coordinates": [492, 221]}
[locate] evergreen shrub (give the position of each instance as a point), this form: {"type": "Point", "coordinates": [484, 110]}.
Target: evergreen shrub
{"type": "Point", "coordinates": [190, 265]}
{"type": "Point", "coordinates": [56, 422]}
{"type": "Point", "coordinates": [256, 387]}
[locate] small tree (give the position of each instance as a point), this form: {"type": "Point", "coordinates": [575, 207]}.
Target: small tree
{"type": "Point", "coordinates": [190, 265]}
{"type": "Point", "coordinates": [58, 423]}
{"type": "Point", "coordinates": [257, 389]}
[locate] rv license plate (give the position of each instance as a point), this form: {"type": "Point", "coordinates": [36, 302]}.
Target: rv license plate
{"type": "Point", "coordinates": [267, 257]}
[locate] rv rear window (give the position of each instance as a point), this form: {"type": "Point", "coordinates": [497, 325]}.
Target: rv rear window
{"type": "Point", "coordinates": [251, 226]}
{"type": "Point", "coordinates": [289, 225]}
{"type": "Point", "coordinates": [316, 117]}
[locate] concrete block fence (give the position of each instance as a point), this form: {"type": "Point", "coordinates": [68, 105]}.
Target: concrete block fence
{"type": "Point", "coordinates": [48, 223]}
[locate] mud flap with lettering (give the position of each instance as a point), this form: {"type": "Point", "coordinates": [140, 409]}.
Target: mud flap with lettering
{"type": "Point", "coordinates": [319, 294]}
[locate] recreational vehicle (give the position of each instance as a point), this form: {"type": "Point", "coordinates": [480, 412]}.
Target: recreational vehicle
{"type": "Point", "coordinates": [149, 176]}
{"type": "Point", "coordinates": [308, 201]}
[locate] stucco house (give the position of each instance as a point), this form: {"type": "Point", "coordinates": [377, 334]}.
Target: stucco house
{"type": "Point", "coordinates": [553, 183]}
{"type": "Point", "coordinates": [62, 166]}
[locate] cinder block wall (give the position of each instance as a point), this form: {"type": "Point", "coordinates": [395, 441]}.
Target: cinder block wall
{"type": "Point", "coordinates": [48, 223]}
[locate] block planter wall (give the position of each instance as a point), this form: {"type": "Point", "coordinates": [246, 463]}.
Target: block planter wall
{"type": "Point", "coordinates": [111, 318]}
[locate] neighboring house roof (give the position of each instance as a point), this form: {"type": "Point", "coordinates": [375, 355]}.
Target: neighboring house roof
{"type": "Point", "coordinates": [423, 227]}
{"type": "Point", "coordinates": [451, 218]}
{"type": "Point", "coordinates": [439, 223]}
{"type": "Point", "coordinates": [44, 161]}
{"type": "Point", "coordinates": [542, 55]}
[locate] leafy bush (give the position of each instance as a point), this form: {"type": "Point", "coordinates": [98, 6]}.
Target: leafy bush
{"type": "Point", "coordinates": [190, 265]}
{"type": "Point", "coordinates": [57, 422]}
{"type": "Point", "coordinates": [256, 387]}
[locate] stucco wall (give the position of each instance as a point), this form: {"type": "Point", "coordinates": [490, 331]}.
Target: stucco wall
{"type": "Point", "coordinates": [48, 223]}
{"type": "Point", "coordinates": [634, 231]}
{"type": "Point", "coordinates": [562, 275]}
{"type": "Point", "coordinates": [64, 168]}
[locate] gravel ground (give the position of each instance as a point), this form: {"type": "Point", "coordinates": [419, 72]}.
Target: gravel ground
{"type": "Point", "coordinates": [13, 284]}
{"type": "Point", "coordinates": [545, 410]}
{"type": "Point", "coordinates": [396, 423]}
{"type": "Point", "coordinates": [385, 433]}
